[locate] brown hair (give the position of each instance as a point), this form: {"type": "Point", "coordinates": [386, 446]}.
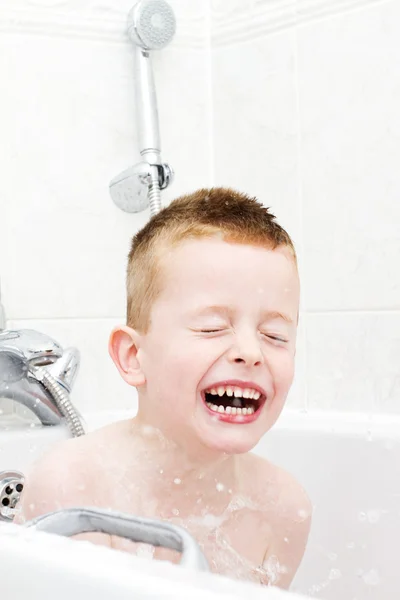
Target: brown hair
{"type": "Point", "coordinates": [212, 212]}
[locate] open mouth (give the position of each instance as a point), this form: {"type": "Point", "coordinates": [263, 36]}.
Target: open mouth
{"type": "Point", "coordinates": [233, 403]}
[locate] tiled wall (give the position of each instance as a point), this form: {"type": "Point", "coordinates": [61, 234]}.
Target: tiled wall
{"type": "Point", "coordinates": [306, 116]}
{"type": "Point", "coordinates": [67, 123]}
{"type": "Point", "coordinates": [295, 101]}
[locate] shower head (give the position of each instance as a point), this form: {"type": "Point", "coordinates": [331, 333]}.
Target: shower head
{"type": "Point", "coordinates": [151, 24]}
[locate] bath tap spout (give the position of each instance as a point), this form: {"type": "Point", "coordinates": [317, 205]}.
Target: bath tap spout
{"type": "Point", "coordinates": [36, 372]}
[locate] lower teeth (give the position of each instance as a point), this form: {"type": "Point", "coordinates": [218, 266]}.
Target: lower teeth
{"type": "Point", "coordinates": [231, 410]}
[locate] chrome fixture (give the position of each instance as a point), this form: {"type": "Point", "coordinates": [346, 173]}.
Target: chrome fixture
{"type": "Point", "coordinates": [11, 486]}
{"type": "Point", "coordinates": [151, 26]}
{"type": "Point", "coordinates": [35, 371]}
{"type": "Point", "coordinates": [73, 521]}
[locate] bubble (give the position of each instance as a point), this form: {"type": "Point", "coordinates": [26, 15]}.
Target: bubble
{"type": "Point", "coordinates": [314, 589]}
{"type": "Point", "coordinates": [303, 514]}
{"type": "Point", "coordinates": [147, 430]}
{"type": "Point", "coordinates": [334, 574]}
{"type": "Point", "coordinates": [81, 487]}
{"type": "Point", "coordinates": [177, 481]}
{"type": "Point", "coordinates": [161, 471]}
{"type": "Point", "coordinates": [372, 577]}
{"type": "Point", "coordinates": [229, 491]}
{"type": "Point", "coordinates": [362, 516]}
{"type": "Point", "coordinates": [220, 487]}
{"type": "Point", "coordinates": [369, 435]}
{"type": "Point", "coordinates": [175, 512]}
{"type": "Point", "coordinates": [332, 556]}
{"type": "Point", "coordinates": [32, 507]}
{"type": "Point", "coordinates": [373, 516]}
{"type": "Point", "coordinates": [286, 540]}
{"type": "Point", "coordinates": [350, 545]}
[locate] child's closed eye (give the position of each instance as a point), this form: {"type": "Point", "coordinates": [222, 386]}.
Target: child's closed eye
{"type": "Point", "coordinates": [276, 338]}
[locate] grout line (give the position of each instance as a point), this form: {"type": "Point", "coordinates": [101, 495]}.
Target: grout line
{"type": "Point", "coordinates": [300, 205]}
{"type": "Point", "coordinates": [269, 21]}
{"type": "Point", "coordinates": [211, 140]}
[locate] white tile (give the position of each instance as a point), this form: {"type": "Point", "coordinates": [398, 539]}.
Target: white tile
{"type": "Point", "coordinates": [255, 124]}
{"type": "Point", "coordinates": [96, 20]}
{"type": "Point", "coordinates": [353, 361]}
{"type": "Point", "coordinates": [349, 87]}
{"type": "Point", "coordinates": [233, 21]}
{"type": "Point", "coordinates": [98, 385]}
{"type": "Point", "coordinates": [69, 128]}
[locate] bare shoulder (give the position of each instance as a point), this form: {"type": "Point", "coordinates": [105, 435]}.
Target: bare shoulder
{"type": "Point", "coordinates": [287, 510]}
{"type": "Point", "coordinates": [277, 488]}
{"type": "Point", "coordinates": [67, 474]}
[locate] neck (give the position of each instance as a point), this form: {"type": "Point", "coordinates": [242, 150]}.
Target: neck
{"type": "Point", "coordinates": [171, 471]}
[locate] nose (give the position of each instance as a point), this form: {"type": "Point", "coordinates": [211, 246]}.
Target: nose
{"type": "Point", "coordinates": [246, 350]}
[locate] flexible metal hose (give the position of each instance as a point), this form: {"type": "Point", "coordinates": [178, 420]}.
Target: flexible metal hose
{"type": "Point", "coordinates": [154, 192]}
{"type": "Point", "coordinates": [61, 400]}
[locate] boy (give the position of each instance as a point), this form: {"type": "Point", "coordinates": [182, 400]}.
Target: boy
{"type": "Point", "coordinates": [213, 297]}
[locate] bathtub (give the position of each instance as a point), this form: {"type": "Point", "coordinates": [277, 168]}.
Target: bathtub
{"type": "Point", "coordinates": [350, 467]}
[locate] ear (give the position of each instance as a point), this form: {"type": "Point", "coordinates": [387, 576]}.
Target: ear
{"type": "Point", "coordinates": [123, 347]}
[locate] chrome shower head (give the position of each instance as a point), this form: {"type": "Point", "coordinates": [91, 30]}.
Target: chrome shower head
{"type": "Point", "coordinates": [151, 24]}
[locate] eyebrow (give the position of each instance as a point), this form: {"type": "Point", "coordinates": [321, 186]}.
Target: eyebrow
{"type": "Point", "coordinates": [214, 308]}
{"type": "Point", "coordinates": [268, 315]}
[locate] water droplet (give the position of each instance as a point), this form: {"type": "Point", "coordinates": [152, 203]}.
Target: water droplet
{"type": "Point", "coordinates": [286, 540]}
{"type": "Point", "coordinates": [350, 545]}
{"type": "Point", "coordinates": [161, 471]}
{"type": "Point", "coordinates": [372, 577]}
{"type": "Point", "coordinates": [220, 487]}
{"type": "Point", "coordinates": [177, 481]}
{"type": "Point", "coordinates": [303, 514]}
{"type": "Point", "coordinates": [369, 435]}
{"type": "Point", "coordinates": [332, 556]}
{"type": "Point", "coordinates": [362, 516]}
{"type": "Point", "coordinates": [373, 516]}
{"type": "Point", "coordinates": [334, 574]}
{"type": "Point", "coordinates": [175, 512]}
{"type": "Point", "coordinates": [32, 507]}
{"type": "Point", "coordinates": [81, 487]}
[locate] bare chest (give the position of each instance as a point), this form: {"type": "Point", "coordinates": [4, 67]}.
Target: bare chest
{"type": "Point", "coordinates": [234, 542]}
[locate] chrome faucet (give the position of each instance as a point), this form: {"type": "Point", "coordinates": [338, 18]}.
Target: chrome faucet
{"type": "Point", "coordinates": [35, 371]}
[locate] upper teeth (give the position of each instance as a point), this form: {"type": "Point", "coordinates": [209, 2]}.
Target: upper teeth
{"type": "Point", "coordinates": [231, 390]}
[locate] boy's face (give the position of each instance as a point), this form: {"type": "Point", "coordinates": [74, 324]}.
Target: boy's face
{"type": "Point", "coordinates": [221, 339]}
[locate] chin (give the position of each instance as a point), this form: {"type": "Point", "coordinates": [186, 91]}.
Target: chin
{"type": "Point", "coordinates": [231, 442]}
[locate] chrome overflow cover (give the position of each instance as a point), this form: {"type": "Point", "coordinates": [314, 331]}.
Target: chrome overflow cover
{"type": "Point", "coordinates": [11, 486]}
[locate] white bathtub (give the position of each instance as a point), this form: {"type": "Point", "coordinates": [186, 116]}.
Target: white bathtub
{"type": "Point", "coordinates": [350, 466]}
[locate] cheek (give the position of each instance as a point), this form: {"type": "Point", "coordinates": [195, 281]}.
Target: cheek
{"type": "Point", "coordinates": [282, 371]}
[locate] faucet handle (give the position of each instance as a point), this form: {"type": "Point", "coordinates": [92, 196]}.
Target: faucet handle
{"type": "Point", "coordinates": [65, 369]}
{"type": "Point", "coordinates": [35, 348]}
